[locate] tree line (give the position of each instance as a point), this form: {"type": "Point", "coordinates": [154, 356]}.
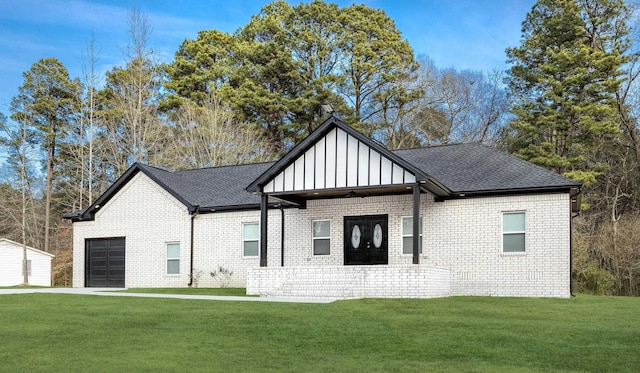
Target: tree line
{"type": "Point", "coordinates": [568, 102]}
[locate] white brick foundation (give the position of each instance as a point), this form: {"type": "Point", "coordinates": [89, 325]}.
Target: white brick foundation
{"type": "Point", "coordinates": [351, 282]}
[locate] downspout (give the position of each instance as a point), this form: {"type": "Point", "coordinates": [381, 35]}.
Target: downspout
{"type": "Point", "coordinates": [281, 236]}
{"type": "Point", "coordinates": [193, 217]}
{"type": "Point", "coordinates": [571, 253]}
{"type": "Point", "coordinates": [577, 213]}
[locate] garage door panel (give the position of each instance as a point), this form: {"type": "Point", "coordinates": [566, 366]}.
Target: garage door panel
{"type": "Point", "coordinates": [97, 253]}
{"type": "Point", "coordinates": [116, 263]}
{"type": "Point", "coordinates": [105, 266]}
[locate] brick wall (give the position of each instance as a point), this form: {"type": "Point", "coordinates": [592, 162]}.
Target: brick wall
{"type": "Point", "coordinates": [148, 217]}
{"type": "Point", "coordinates": [466, 236]}
{"type": "Point", "coordinates": [351, 281]}
{"type": "Point", "coordinates": [460, 237]}
{"type": "Point", "coordinates": [218, 242]}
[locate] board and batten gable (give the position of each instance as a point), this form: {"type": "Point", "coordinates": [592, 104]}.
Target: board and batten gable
{"type": "Point", "coordinates": [11, 256]}
{"type": "Point", "coordinates": [148, 217]}
{"type": "Point", "coordinates": [338, 160]}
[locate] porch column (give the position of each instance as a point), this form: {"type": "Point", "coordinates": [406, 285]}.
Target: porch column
{"type": "Point", "coordinates": [264, 200]}
{"type": "Point", "coordinates": [416, 223]}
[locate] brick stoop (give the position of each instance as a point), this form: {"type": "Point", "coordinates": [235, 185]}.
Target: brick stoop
{"type": "Point", "coordinates": [350, 282]}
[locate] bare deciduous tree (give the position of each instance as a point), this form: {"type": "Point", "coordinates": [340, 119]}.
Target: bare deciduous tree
{"type": "Point", "coordinates": [209, 136]}
{"type": "Point", "coordinates": [460, 106]}
{"type": "Point", "coordinates": [16, 142]}
{"type": "Point", "coordinates": [132, 130]}
{"type": "Point", "coordinates": [445, 106]}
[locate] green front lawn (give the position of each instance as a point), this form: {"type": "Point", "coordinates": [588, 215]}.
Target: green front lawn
{"type": "Point", "coordinates": [58, 332]}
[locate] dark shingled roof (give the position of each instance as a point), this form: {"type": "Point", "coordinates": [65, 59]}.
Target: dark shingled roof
{"type": "Point", "coordinates": [213, 187]}
{"type": "Point", "coordinates": [469, 169]}
{"type": "Point", "coordinates": [463, 168]}
{"type": "Point", "coordinates": [476, 168]}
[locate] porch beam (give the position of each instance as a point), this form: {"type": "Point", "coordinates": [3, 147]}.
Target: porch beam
{"type": "Point", "coordinates": [416, 223]}
{"type": "Point", "coordinates": [264, 206]}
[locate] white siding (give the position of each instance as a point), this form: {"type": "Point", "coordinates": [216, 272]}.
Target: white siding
{"type": "Point", "coordinates": [288, 178]}
{"type": "Point", "coordinates": [299, 171]}
{"type": "Point", "coordinates": [385, 176]}
{"type": "Point", "coordinates": [331, 159]}
{"type": "Point", "coordinates": [352, 161]}
{"type": "Point", "coordinates": [320, 167]}
{"type": "Point", "coordinates": [11, 265]}
{"type": "Point", "coordinates": [363, 165]}
{"type": "Point", "coordinates": [341, 156]}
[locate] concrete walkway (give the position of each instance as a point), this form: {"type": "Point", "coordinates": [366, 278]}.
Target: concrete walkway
{"type": "Point", "coordinates": [111, 292]}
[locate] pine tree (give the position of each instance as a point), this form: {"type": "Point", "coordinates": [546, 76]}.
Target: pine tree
{"type": "Point", "coordinates": [48, 103]}
{"type": "Point", "coordinates": [564, 78]}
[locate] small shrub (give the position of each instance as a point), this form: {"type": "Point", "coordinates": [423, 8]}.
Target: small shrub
{"type": "Point", "coordinates": [595, 280]}
{"type": "Point", "coordinates": [222, 276]}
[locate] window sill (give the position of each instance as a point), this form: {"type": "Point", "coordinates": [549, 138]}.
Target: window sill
{"type": "Point", "coordinates": [523, 253]}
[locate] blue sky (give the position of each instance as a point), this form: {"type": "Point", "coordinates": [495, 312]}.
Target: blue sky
{"type": "Point", "coordinates": [464, 34]}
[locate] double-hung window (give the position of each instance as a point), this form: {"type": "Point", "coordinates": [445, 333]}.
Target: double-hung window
{"type": "Point", "coordinates": [407, 235]}
{"type": "Point", "coordinates": [321, 237]}
{"type": "Point", "coordinates": [250, 239]}
{"type": "Point", "coordinates": [513, 232]}
{"type": "Point", "coordinates": [173, 258]}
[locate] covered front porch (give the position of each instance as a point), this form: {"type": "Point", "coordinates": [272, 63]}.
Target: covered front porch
{"type": "Point", "coordinates": [336, 163]}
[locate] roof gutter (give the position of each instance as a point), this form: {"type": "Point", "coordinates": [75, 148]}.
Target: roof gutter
{"type": "Point", "coordinates": [514, 191]}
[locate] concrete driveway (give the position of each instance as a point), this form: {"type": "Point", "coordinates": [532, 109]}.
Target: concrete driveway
{"type": "Point", "coordinates": [111, 292]}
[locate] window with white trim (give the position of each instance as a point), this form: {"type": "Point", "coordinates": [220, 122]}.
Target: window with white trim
{"type": "Point", "coordinates": [173, 258]}
{"type": "Point", "coordinates": [250, 239]}
{"type": "Point", "coordinates": [513, 232]}
{"type": "Point", "coordinates": [28, 268]}
{"type": "Point", "coordinates": [407, 235]}
{"type": "Point", "coordinates": [321, 237]}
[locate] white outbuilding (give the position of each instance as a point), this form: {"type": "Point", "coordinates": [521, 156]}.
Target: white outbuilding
{"type": "Point", "coordinates": [11, 271]}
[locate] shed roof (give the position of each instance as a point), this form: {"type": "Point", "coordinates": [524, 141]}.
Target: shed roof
{"type": "Point", "coordinates": [9, 243]}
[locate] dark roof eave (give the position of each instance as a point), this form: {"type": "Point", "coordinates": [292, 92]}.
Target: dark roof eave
{"type": "Point", "coordinates": [512, 191]}
{"type": "Point", "coordinates": [248, 206]}
{"type": "Point", "coordinates": [87, 214]}
{"type": "Point", "coordinates": [190, 207]}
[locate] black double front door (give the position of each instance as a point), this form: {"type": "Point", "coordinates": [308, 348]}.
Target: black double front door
{"type": "Point", "coordinates": [365, 240]}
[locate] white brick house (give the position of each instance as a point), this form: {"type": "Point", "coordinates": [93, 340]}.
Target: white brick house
{"type": "Point", "coordinates": [11, 264]}
{"type": "Point", "coordinates": [335, 217]}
